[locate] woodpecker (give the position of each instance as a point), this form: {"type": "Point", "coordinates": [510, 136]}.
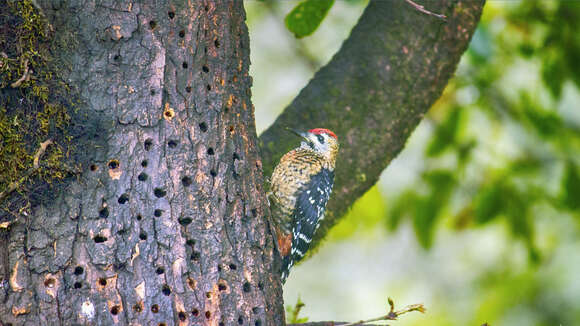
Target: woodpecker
{"type": "Point", "coordinates": [300, 187]}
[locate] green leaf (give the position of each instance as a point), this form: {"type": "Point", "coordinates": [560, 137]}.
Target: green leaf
{"type": "Point", "coordinates": [554, 73]}
{"type": "Point", "coordinates": [571, 187]}
{"type": "Point", "coordinates": [305, 18]}
{"type": "Point", "coordinates": [293, 313]}
{"type": "Point", "coordinates": [546, 123]}
{"type": "Point", "coordinates": [446, 133]}
{"type": "Point", "coordinates": [426, 212]}
{"type": "Point", "coordinates": [427, 209]}
{"type": "Point", "coordinates": [402, 208]}
{"type": "Point", "coordinates": [489, 204]}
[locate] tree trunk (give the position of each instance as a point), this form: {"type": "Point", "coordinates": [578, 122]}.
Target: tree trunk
{"type": "Point", "coordinates": [167, 225]}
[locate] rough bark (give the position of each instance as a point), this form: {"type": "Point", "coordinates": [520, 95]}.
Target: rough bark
{"type": "Point", "coordinates": [167, 225]}
{"type": "Point", "coordinates": [375, 91]}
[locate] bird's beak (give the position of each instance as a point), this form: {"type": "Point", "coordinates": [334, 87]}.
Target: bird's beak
{"type": "Point", "coordinates": [298, 133]}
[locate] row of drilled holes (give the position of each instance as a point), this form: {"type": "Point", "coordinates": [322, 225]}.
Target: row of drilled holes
{"type": "Point", "coordinates": [181, 33]}
{"type": "Point", "coordinates": [166, 290]}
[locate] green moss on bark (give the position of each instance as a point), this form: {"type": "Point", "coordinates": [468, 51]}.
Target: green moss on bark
{"type": "Point", "coordinates": [35, 106]}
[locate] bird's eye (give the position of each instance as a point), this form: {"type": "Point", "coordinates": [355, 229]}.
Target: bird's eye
{"type": "Point", "coordinates": [320, 139]}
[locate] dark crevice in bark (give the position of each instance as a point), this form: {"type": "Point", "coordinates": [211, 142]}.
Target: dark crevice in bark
{"type": "Point", "coordinates": [375, 91]}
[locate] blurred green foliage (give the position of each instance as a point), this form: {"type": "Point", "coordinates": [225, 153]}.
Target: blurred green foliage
{"type": "Point", "coordinates": [496, 109]}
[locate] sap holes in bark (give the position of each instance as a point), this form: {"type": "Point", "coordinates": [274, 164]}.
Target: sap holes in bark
{"type": "Point", "coordinates": [260, 286]}
{"type": "Point", "coordinates": [240, 320]}
{"type": "Point", "coordinates": [231, 128]}
{"type": "Point", "coordinates": [99, 239]}
{"type": "Point", "coordinates": [117, 57]}
{"type": "Point", "coordinates": [203, 126]}
{"type": "Point", "coordinates": [186, 181]}
{"type": "Point", "coordinates": [142, 176]}
{"type": "Point", "coordinates": [102, 281]}
{"type": "Point", "coordinates": [157, 213]}
{"type": "Point", "coordinates": [236, 156]}
{"type": "Point", "coordinates": [161, 324]}
{"type": "Point", "coordinates": [181, 315]}
{"type": "Point", "coordinates": [50, 282]}
{"type": "Point", "coordinates": [188, 89]}
{"type": "Point", "coordinates": [155, 308]}
{"type": "Point", "coordinates": [138, 307]}
{"type": "Point", "coordinates": [195, 256]}
{"type": "Point", "coordinates": [190, 242]}
{"type": "Point", "coordinates": [184, 65]}
{"type": "Point", "coordinates": [139, 217]}
{"type": "Point", "coordinates": [115, 310]}
{"type": "Point", "coordinates": [123, 199]}
{"type": "Point", "coordinates": [185, 221]}
{"type": "Point", "coordinates": [172, 143]}
{"type": "Point", "coordinates": [216, 43]}
{"type": "Point", "coordinates": [258, 323]}
{"type": "Point", "coordinates": [152, 24]}
{"type": "Point", "coordinates": [205, 68]}
{"type": "Point", "coordinates": [195, 312]}
{"type": "Point", "coordinates": [143, 236]}
{"type": "Point", "coordinates": [166, 290]}
{"type": "Point", "coordinates": [222, 286]}
{"type": "Point", "coordinates": [104, 212]}
{"type": "Point", "coordinates": [159, 192]}
{"type": "Point", "coordinates": [219, 268]}
{"type": "Point", "coordinates": [144, 163]}
{"type": "Point", "coordinates": [206, 8]}
{"type": "Point", "coordinates": [247, 287]}
{"type": "Point", "coordinates": [168, 113]}
{"type": "Point", "coordinates": [210, 151]}
{"type": "Point", "coordinates": [148, 144]}
{"type": "Point", "coordinates": [208, 87]}
{"type": "Point", "coordinates": [207, 314]}
{"type": "Point", "coordinates": [113, 164]}
{"type": "Point", "coordinates": [77, 285]}
{"type": "Point", "coordinates": [256, 310]}
{"type": "Point", "coordinates": [182, 33]}
{"type": "Point", "coordinates": [254, 212]}
{"type": "Point", "coordinates": [171, 15]}
{"type": "Point", "coordinates": [152, 92]}
{"type": "Point", "coordinates": [159, 270]}
{"type": "Point", "coordinates": [233, 267]}
{"type": "Point", "coordinates": [213, 173]}
{"type": "Point", "coordinates": [79, 270]}
{"type": "Point", "coordinates": [93, 167]}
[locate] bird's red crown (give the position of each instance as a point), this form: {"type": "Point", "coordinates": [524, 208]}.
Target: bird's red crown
{"type": "Point", "coordinates": [318, 131]}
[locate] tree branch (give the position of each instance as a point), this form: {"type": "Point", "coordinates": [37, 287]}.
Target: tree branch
{"type": "Point", "coordinates": [425, 11]}
{"type": "Point", "coordinates": [391, 315]}
{"type": "Point", "coordinates": [375, 91]}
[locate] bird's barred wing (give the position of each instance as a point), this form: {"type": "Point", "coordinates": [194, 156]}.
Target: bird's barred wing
{"type": "Point", "coordinates": [310, 207]}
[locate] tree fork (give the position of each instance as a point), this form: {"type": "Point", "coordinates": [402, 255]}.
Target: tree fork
{"type": "Point", "coordinates": [168, 223]}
